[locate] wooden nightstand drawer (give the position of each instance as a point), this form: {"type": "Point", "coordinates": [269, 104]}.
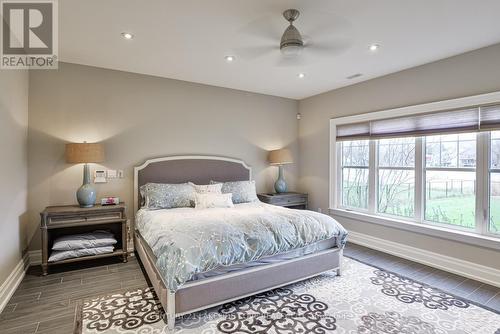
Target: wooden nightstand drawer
{"type": "Point", "coordinates": [290, 200]}
{"type": "Point", "coordinates": [84, 218]}
{"type": "Point", "coordinates": [295, 200]}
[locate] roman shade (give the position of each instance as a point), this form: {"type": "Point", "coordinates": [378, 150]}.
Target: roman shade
{"type": "Point", "coordinates": [450, 121]}
{"type": "Point", "coordinates": [353, 131]}
{"type": "Point", "coordinates": [490, 117]}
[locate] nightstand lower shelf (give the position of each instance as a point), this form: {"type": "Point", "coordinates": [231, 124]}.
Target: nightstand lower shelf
{"type": "Point", "coordinates": [118, 252]}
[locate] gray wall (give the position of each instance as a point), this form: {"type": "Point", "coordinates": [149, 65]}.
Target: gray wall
{"type": "Point", "coordinates": [471, 73]}
{"type": "Point", "coordinates": [138, 117]}
{"type": "Point", "coordinates": [14, 172]}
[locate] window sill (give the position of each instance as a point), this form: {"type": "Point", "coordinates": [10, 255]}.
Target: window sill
{"type": "Point", "coordinates": [434, 231]}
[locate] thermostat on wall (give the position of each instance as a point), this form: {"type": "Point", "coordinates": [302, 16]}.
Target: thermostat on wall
{"type": "Point", "coordinates": [100, 176]}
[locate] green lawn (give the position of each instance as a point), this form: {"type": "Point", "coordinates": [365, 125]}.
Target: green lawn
{"type": "Point", "coordinates": [460, 211]}
{"type": "Point", "coordinates": [456, 209]}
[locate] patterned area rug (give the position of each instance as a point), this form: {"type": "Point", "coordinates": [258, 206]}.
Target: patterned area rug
{"type": "Point", "coordinates": [364, 300]}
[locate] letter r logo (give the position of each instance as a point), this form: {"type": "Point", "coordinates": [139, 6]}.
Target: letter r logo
{"type": "Point", "coordinates": [27, 28]}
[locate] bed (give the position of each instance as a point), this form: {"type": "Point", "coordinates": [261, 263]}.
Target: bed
{"type": "Point", "coordinates": [284, 240]}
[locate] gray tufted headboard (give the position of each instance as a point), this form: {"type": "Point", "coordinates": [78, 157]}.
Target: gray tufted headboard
{"type": "Point", "coordinates": [199, 169]}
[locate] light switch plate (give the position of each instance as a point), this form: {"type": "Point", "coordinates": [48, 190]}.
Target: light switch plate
{"type": "Point", "coordinates": [111, 174]}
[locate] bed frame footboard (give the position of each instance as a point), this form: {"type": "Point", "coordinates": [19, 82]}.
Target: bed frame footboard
{"type": "Point", "coordinates": [202, 294]}
{"type": "Point", "coordinates": [170, 310]}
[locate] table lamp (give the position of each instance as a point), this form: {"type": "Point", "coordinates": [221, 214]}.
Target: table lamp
{"type": "Point", "coordinates": [279, 158]}
{"type": "Point", "coordinates": [77, 153]}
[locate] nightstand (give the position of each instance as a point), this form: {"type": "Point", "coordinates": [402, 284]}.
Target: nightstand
{"type": "Point", "coordinates": [72, 219]}
{"type": "Point", "coordinates": [290, 200]}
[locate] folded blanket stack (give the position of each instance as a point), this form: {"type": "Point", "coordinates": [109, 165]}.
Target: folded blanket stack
{"type": "Point", "coordinates": [77, 245]}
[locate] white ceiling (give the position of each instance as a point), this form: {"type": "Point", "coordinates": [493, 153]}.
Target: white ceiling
{"type": "Point", "coordinates": [188, 39]}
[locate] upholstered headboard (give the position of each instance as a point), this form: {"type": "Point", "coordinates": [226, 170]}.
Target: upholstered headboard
{"type": "Point", "coordinates": [199, 169]}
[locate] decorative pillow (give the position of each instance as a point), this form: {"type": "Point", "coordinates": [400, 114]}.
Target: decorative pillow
{"type": "Point", "coordinates": [207, 201]}
{"type": "Point", "coordinates": [215, 188]}
{"type": "Point", "coordinates": [167, 196]}
{"type": "Point", "coordinates": [84, 240]}
{"type": "Point", "coordinates": [58, 255]}
{"type": "Point", "coordinates": [243, 191]}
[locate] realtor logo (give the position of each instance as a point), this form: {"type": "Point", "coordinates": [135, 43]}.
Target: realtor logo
{"type": "Point", "coordinates": [29, 34]}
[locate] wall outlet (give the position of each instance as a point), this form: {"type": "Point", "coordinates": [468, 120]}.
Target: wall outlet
{"type": "Point", "coordinates": [119, 174]}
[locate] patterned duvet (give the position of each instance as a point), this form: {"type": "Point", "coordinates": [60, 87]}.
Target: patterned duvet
{"type": "Point", "coordinates": [187, 241]}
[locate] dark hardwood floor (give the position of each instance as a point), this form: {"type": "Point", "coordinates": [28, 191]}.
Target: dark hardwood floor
{"type": "Point", "coordinates": [47, 304]}
{"type": "Point", "coordinates": [480, 293]}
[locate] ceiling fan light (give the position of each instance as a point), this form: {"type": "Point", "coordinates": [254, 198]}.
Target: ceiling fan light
{"type": "Point", "coordinates": [291, 42]}
{"type": "Point", "coordinates": [291, 50]}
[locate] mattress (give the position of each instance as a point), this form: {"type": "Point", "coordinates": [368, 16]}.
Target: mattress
{"type": "Point", "coordinates": [317, 247]}
{"type": "Point", "coordinates": [309, 249]}
{"type": "Point", "coordinates": [192, 244]}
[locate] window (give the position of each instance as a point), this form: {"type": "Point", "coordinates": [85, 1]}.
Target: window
{"type": "Point", "coordinates": [396, 176]}
{"type": "Point", "coordinates": [354, 174]}
{"type": "Point", "coordinates": [429, 179]}
{"type": "Point", "coordinates": [432, 164]}
{"type": "Point", "coordinates": [494, 221]}
{"type": "Point", "coordinates": [450, 179]}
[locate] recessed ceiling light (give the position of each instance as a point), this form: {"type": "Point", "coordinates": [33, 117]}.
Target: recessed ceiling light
{"type": "Point", "coordinates": [301, 75]}
{"type": "Point", "coordinates": [229, 59]}
{"type": "Point", "coordinates": [374, 47]}
{"type": "Point", "coordinates": [127, 35]}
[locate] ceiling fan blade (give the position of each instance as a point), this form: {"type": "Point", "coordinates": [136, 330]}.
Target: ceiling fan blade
{"type": "Point", "coordinates": [267, 28]}
{"type": "Point", "coordinates": [291, 61]}
{"type": "Point", "coordinates": [325, 24]}
{"type": "Point", "coordinates": [332, 47]}
{"type": "Point", "coordinates": [255, 52]}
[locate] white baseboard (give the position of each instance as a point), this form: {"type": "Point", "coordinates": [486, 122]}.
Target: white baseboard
{"type": "Point", "coordinates": [7, 289]}
{"type": "Point", "coordinates": [453, 265]}
{"type": "Point", "coordinates": [10, 285]}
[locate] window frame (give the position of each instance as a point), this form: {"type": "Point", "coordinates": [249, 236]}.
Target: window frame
{"type": "Point", "coordinates": [418, 222]}
{"type": "Point", "coordinates": [478, 203]}
{"type": "Point", "coordinates": [376, 161]}
{"type": "Point", "coordinates": [489, 171]}
{"type": "Point", "coordinates": [341, 179]}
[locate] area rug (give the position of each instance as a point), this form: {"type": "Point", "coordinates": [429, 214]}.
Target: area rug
{"type": "Point", "coordinates": [363, 300]}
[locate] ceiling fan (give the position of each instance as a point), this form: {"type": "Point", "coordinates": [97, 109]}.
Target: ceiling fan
{"type": "Point", "coordinates": [291, 42]}
{"type": "Point", "coordinates": [296, 49]}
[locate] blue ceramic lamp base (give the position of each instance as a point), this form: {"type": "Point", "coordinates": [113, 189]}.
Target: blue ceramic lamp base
{"type": "Point", "coordinates": [280, 185]}
{"type": "Point", "coordinates": [86, 194]}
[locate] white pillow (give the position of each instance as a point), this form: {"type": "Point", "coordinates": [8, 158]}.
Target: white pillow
{"type": "Point", "coordinates": [58, 255]}
{"type": "Point", "coordinates": [84, 240]}
{"type": "Point", "coordinates": [207, 188]}
{"type": "Point", "coordinates": [207, 201]}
